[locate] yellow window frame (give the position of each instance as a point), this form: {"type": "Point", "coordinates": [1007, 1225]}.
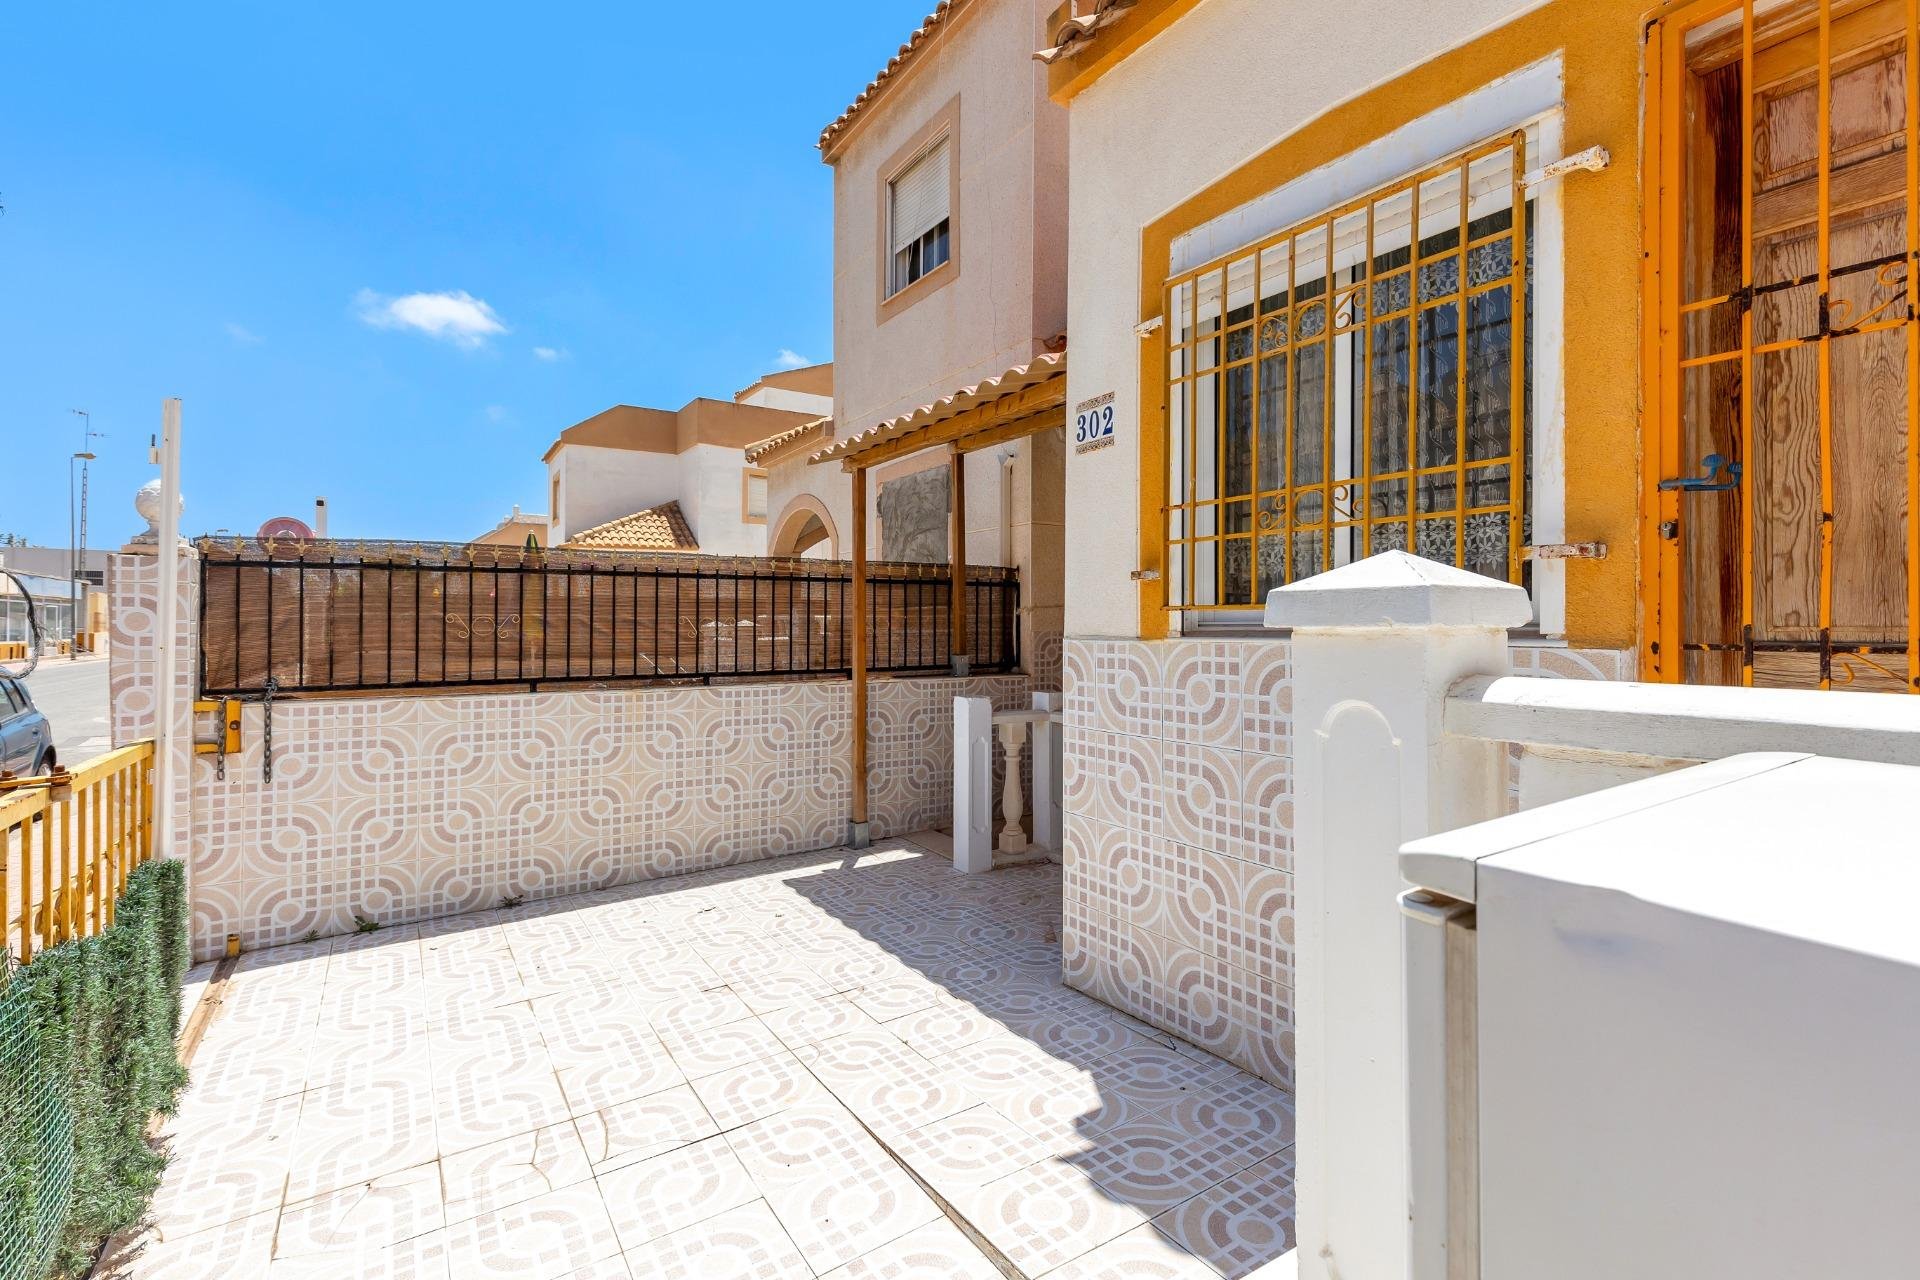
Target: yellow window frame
{"type": "Point", "coordinates": [1200, 362]}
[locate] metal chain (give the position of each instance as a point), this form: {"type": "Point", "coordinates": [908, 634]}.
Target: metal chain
{"type": "Point", "coordinates": [266, 737]}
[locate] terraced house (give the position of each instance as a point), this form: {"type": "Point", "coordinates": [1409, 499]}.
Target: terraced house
{"type": "Point", "coordinates": [1422, 496]}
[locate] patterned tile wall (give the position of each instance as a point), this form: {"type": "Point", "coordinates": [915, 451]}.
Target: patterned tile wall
{"type": "Point", "coordinates": [133, 645]}
{"type": "Point", "coordinates": [1179, 833]}
{"type": "Point", "coordinates": [404, 808]}
{"type": "Point", "coordinates": [399, 809]}
{"type": "Point", "coordinates": [1179, 839]}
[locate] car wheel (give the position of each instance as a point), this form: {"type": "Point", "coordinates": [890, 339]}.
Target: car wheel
{"type": "Point", "coordinates": [48, 759]}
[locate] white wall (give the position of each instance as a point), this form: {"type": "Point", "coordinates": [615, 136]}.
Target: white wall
{"type": "Point", "coordinates": [797, 401]}
{"type": "Point", "coordinates": [599, 484]}
{"type": "Point", "coordinates": [994, 313]}
{"type": "Point", "coordinates": [1218, 87]}
{"type": "Point", "coordinates": [710, 496]}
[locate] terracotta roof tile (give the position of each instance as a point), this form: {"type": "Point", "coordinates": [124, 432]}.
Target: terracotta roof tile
{"type": "Point", "coordinates": [1040, 369]}
{"type": "Point", "coordinates": [915, 42]}
{"type": "Point", "coordinates": [775, 443]}
{"type": "Point", "coordinates": [661, 528]}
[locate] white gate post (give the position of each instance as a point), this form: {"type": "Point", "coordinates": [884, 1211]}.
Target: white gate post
{"type": "Point", "coordinates": [973, 784]}
{"type": "Point", "coordinates": [1048, 749]}
{"type": "Point", "coordinates": [1376, 646]}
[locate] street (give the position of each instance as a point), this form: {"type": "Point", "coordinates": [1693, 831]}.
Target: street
{"type": "Point", "coordinates": [73, 695]}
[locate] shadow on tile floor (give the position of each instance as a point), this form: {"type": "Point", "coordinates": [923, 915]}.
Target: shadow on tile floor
{"type": "Point", "coordinates": [817, 1065]}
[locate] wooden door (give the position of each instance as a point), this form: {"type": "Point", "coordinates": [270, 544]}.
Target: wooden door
{"type": "Point", "coordinates": [1794, 366]}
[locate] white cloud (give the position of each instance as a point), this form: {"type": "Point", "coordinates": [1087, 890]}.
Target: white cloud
{"type": "Point", "coordinates": [790, 359]}
{"type": "Point", "coordinates": [455, 316]}
{"type": "Point", "coordinates": [549, 354]}
{"type": "Point", "coordinates": [243, 335]}
{"type": "Point", "coordinates": [497, 413]}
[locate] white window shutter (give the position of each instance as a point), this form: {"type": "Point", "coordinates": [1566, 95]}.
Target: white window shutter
{"type": "Point", "coordinates": [920, 197]}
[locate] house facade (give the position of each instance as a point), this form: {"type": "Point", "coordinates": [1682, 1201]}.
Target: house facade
{"type": "Point", "coordinates": [1489, 284]}
{"type": "Point", "coordinates": [949, 284]}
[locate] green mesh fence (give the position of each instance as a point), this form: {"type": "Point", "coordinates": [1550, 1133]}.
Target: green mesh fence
{"type": "Point", "coordinates": [36, 1142]}
{"type": "Point", "coordinates": [87, 1035]}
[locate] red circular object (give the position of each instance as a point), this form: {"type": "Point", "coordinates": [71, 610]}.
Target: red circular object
{"type": "Point", "coordinates": [284, 527]}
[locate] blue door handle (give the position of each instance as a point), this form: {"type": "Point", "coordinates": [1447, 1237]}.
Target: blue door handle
{"type": "Point", "coordinates": [1708, 483]}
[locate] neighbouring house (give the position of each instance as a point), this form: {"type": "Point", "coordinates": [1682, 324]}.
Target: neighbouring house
{"type": "Point", "coordinates": [949, 316]}
{"type": "Point", "coordinates": [514, 531]}
{"type": "Point", "coordinates": [627, 461]}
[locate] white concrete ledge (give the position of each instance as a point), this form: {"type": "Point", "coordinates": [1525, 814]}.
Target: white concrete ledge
{"type": "Point", "coordinates": [1685, 722]}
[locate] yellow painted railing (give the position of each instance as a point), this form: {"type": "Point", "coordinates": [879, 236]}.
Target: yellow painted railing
{"type": "Point", "coordinates": [71, 841]}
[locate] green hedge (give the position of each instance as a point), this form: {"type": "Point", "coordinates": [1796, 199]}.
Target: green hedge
{"type": "Point", "coordinates": [87, 1034]}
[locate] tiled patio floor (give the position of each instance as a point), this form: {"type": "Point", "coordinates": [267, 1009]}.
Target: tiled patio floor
{"type": "Point", "coordinates": [719, 1075]}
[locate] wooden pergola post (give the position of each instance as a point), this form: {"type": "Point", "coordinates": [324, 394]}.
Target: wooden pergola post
{"type": "Point", "coordinates": [859, 835]}
{"type": "Point", "coordinates": [957, 548]}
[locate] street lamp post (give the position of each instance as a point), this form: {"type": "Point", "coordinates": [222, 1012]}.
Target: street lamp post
{"type": "Point", "coordinates": [77, 548]}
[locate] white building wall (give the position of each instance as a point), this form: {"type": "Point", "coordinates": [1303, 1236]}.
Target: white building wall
{"type": "Point", "coordinates": [797, 401]}
{"type": "Point", "coordinates": [598, 484]}
{"type": "Point", "coordinates": [710, 496]}
{"type": "Point", "coordinates": [1143, 140]}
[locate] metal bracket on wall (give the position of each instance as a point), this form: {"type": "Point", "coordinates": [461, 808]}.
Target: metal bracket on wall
{"type": "Point", "coordinates": [226, 738]}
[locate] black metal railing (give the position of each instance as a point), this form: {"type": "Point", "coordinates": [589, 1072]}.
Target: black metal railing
{"type": "Point", "coordinates": [334, 618]}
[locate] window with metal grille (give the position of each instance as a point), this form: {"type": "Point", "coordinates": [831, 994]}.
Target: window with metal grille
{"type": "Point", "coordinates": [918, 218]}
{"type": "Point", "coordinates": [1352, 385]}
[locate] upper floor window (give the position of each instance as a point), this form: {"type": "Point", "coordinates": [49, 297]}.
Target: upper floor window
{"type": "Point", "coordinates": [919, 218]}
{"type": "Point", "coordinates": [1356, 384]}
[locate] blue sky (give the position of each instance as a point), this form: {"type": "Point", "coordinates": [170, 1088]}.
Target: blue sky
{"type": "Point", "coordinates": [237, 204]}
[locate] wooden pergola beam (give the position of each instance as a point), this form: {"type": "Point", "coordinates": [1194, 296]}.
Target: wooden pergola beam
{"type": "Point", "coordinates": [1021, 413]}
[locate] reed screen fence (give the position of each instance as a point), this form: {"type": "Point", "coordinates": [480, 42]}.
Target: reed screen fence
{"type": "Point", "coordinates": [336, 618]}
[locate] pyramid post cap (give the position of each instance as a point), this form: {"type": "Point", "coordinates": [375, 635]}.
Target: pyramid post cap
{"type": "Point", "coordinates": [1394, 589]}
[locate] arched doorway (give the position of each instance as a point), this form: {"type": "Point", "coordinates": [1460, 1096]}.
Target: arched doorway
{"type": "Point", "coordinates": [802, 528]}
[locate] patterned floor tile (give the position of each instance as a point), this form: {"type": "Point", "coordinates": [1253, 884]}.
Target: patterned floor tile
{"type": "Point", "coordinates": [240, 1249]}
{"type": "Point", "coordinates": [220, 1174]}
{"type": "Point", "coordinates": [369, 1216]}
{"type": "Point", "coordinates": [970, 1149]}
{"type": "Point", "coordinates": [1154, 1166]}
{"type": "Point", "coordinates": [538, 1054]}
{"type": "Point", "coordinates": [512, 1170]}
{"type": "Point", "coordinates": [665, 1193]}
{"type": "Point", "coordinates": [1046, 1216]}
{"type": "Point", "coordinates": [747, 1243]}
{"type": "Point", "coordinates": [355, 1133]}
{"type": "Point", "coordinates": [547, 1237]}
{"type": "Point", "coordinates": [1240, 1225]}
{"type": "Point", "coordinates": [705, 1051]}
{"type": "Point", "coordinates": [937, 1251]}
{"type": "Point", "coordinates": [594, 1086]}
{"type": "Point", "coordinates": [1141, 1254]}
{"type": "Point", "coordinates": [817, 1020]}
{"type": "Point", "coordinates": [758, 1089]}
{"type": "Point", "coordinates": [477, 1106]}
{"type": "Point", "coordinates": [635, 1130]}
{"type": "Point", "coordinates": [832, 1187]}
{"type": "Point", "coordinates": [423, 1257]}
{"type": "Point", "coordinates": [944, 1027]}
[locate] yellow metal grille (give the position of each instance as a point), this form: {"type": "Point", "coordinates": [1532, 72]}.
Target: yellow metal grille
{"type": "Point", "coordinates": [1354, 385]}
{"type": "Point", "coordinates": [1789, 348]}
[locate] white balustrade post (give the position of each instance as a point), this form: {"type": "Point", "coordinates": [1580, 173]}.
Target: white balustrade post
{"type": "Point", "coordinates": [1048, 771]}
{"type": "Point", "coordinates": [972, 784]}
{"type": "Point", "coordinates": [1013, 735]}
{"type": "Point", "coordinates": [1376, 646]}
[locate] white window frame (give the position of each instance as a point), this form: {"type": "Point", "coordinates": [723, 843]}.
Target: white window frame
{"type": "Point", "coordinates": [891, 266]}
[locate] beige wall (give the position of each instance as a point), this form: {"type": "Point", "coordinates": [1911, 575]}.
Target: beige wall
{"type": "Point", "coordinates": [1008, 294]}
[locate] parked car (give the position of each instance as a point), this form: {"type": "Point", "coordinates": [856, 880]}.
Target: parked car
{"type": "Point", "coordinates": [26, 739]}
